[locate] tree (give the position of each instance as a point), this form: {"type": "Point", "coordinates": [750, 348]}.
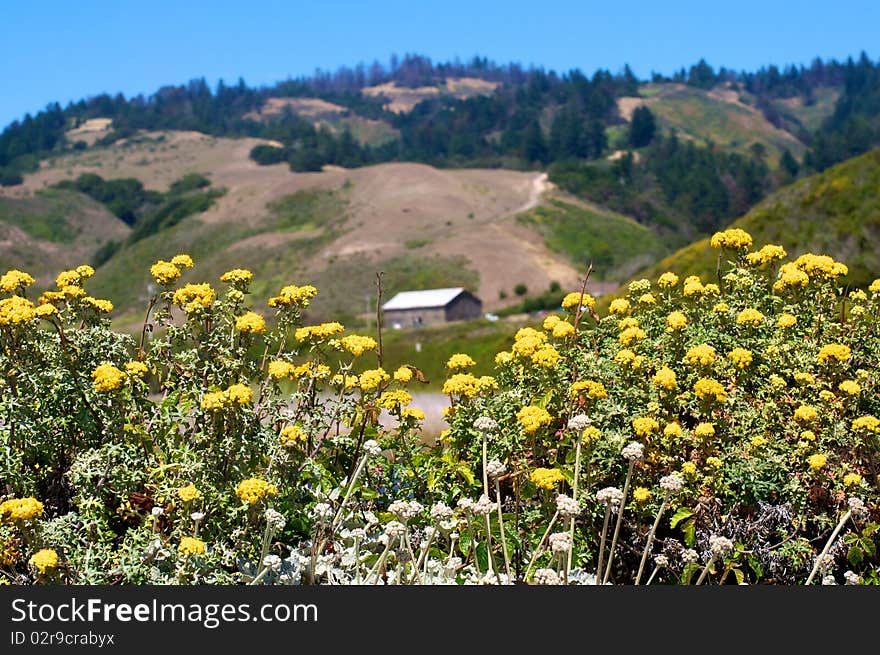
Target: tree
{"type": "Point", "coordinates": [642, 128]}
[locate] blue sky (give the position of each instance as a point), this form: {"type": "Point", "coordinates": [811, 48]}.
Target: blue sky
{"type": "Point", "coordinates": [57, 50]}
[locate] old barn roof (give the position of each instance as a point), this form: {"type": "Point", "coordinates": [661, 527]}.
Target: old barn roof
{"type": "Point", "coordinates": [423, 299]}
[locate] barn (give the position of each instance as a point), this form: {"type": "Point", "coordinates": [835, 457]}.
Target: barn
{"type": "Point", "coordinates": [430, 307]}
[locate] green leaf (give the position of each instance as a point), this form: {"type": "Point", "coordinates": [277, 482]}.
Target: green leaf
{"type": "Point", "coordinates": [690, 534]}
{"type": "Point", "coordinates": [681, 514]}
{"type": "Point", "coordinates": [465, 472]}
{"type": "Point", "coordinates": [740, 576]}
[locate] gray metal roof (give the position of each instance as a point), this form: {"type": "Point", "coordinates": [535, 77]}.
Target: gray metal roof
{"type": "Point", "coordinates": [423, 299]}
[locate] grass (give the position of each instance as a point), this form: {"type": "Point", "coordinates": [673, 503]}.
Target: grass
{"type": "Point", "coordinates": [307, 210]}
{"type": "Point", "coordinates": [618, 246]}
{"type": "Point", "coordinates": [44, 216]}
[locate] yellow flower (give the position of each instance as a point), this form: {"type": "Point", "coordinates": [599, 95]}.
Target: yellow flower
{"type": "Point", "coordinates": [675, 321]}
{"type": "Point", "coordinates": [721, 308]}
{"type": "Point", "coordinates": [135, 369]}
{"type": "Point", "coordinates": [460, 361]}
{"type": "Point", "coordinates": [808, 435]}
{"type": "Point", "coordinates": [550, 321]}
{"type": "Point", "coordinates": [631, 334]}
{"type": "Point", "coordinates": [647, 299]}
{"type": "Point", "coordinates": [193, 297]}
{"type": "Point", "coordinates": [98, 304]}
{"type": "Point", "coordinates": [714, 462]}
{"type": "Point", "coordinates": [394, 399]}
{"type": "Point", "coordinates": [107, 377]}
{"type": "Point", "coordinates": [868, 422]}
{"type": "Point", "coordinates": [189, 493]}
{"type": "Point", "coordinates": [702, 354]}
{"type": "Point", "coordinates": [404, 374]}
{"type": "Point", "coordinates": [190, 546]}
{"type": "Point", "coordinates": [731, 238]}
{"type": "Point", "coordinates": [641, 494]}
{"type": "Point", "coordinates": [546, 478]}
{"type": "Point", "coordinates": [786, 320]}
{"type": "Point", "coordinates": [817, 461]}
{"type": "Point", "coordinates": [292, 435]}
{"type": "Point", "coordinates": [278, 369]}
{"type": "Point", "coordinates": [67, 279]}
{"type": "Point", "coordinates": [413, 413]}
{"type": "Point", "coordinates": [527, 341]}
{"type": "Point", "coordinates": [293, 295]}
{"type": "Point", "coordinates": [44, 560]}
{"type": "Point", "coordinates": [806, 414]}
{"type": "Point", "coordinates": [574, 299]}
{"type": "Point", "coordinates": [358, 345]}
{"type": "Point", "coordinates": [692, 286]}
{"type": "Point", "coordinates": [16, 310]}
{"type": "Point", "coordinates": [619, 306]}
{"type": "Point", "coordinates": [740, 356]}
{"type": "Point", "coordinates": [371, 379]}
{"type": "Point", "coordinates": [765, 255]}
{"type": "Point", "coordinates": [852, 480]}
{"type": "Point", "coordinates": [73, 291]}
{"type": "Point", "coordinates": [645, 425]}
{"type": "Point", "coordinates": [20, 509]}
{"type": "Point", "coordinates": [182, 261]}
{"type": "Point", "coordinates": [240, 394]}
{"type": "Point", "coordinates": [667, 280]}
{"type": "Point", "coordinates": [532, 418]}
{"type": "Point", "coordinates": [591, 435]}
{"type": "Point", "coordinates": [850, 387]}
{"type": "Point", "coordinates": [240, 276]}
{"type": "Point", "coordinates": [321, 331]}
{"type": "Point", "coordinates": [672, 430]}
{"type": "Point", "coordinates": [834, 352]}
{"type": "Point", "coordinates": [165, 273]}
{"type": "Point", "coordinates": [562, 329]}
{"type": "Point", "coordinates": [213, 400]}
{"type": "Point", "coordinates": [707, 388]}
{"type": "Point", "coordinates": [13, 280]}
{"type": "Point", "coordinates": [665, 378]}
{"type": "Point", "coordinates": [820, 266]}
{"type": "Point", "coordinates": [504, 357]}
{"type": "Point", "coordinates": [750, 317]}
{"type": "Point", "coordinates": [253, 490]}
{"type": "Point", "coordinates": [875, 286]}
{"type": "Point", "coordinates": [758, 441]}
{"type": "Point", "coordinates": [688, 468]}
{"type": "Point", "coordinates": [590, 388]}
{"type": "Point", "coordinates": [546, 356]}
{"type": "Point", "coordinates": [704, 430]}
{"type": "Point", "coordinates": [250, 322]}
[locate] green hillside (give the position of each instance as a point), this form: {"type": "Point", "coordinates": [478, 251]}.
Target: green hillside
{"type": "Point", "coordinates": [836, 212]}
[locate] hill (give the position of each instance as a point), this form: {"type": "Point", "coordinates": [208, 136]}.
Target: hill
{"type": "Point", "coordinates": [836, 213]}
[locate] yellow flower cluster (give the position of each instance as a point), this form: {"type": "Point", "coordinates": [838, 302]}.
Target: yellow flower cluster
{"type": "Point", "coordinates": [165, 273]}
{"type": "Point", "coordinates": [731, 238]}
{"type": "Point", "coordinates": [692, 286]}
{"type": "Point", "coordinates": [672, 430]}
{"type": "Point", "coordinates": [806, 414]}
{"type": "Point", "coordinates": [817, 461]}
{"type": "Point", "coordinates": [741, 357]}
{"type": "Point", "coordinates": [393, 399]}
{"type": "Point", "coordinates": [704, 429]}
{"type": "Point", "coordinates": [709, 389]}
{"type": "Point", "coordinates": [852, 480]}
{"type": "Point", "coordinates": [589, 388]}
{"type": "Point", "coordinates": [545, 478]}
{"type": "Point", "coordinates": [665, 378]}
{"type": "Point", "coordinates": [667, 280]}
{"type": "Point", "coordinates": [562, 329]}
{"type": "Point", "coordinates": [765, 255]}
{"type": "Point", "coordinates": [16, 310]}
{"type": "Point", "coordinates": [254, 490]}
{"type": "Point", "coordinates": [532, 418]}
{"type": "Point", "coordinates": [721, 308]}
{"type": "Point", "coordinates": [545, 356]}
{"type": "Point", "coordinates": [135, 369]}
{"type": "Point", "coordinates": [631, 334]}
{"type": "Point", "coordinates": [850, 387]}
{"type": "Point", "coordinates": [749, 316]}
{"type": "Point", "coordinates": [833, 352]}
{"type": "Point", "coordinates": [574, 299]}
{"type": "Point", "coordinates": [190, 546]}
{"type": "Point", "coordinates": [626, 357]}
{"type": "Point", "coordinates": [278, 369]}
{"type": "Point", "coordinates": [527, 340]}
{"type": "Point", "coordinates": [641, 494]}
{"type": "Point", "coordinates": [44, 560]}
{"type": "Point", "coordinates": [786, 320]}
{"type": "Point", "coordinates": [240, 276]}
{"type": "Point", "coordinates": [371, 379]}
{"type": "Point", "coordinates": [820, 266]}
{"type": "Point", "coordinates": [181, 261]}
{"type": "Point", "coordinates": [675, 321]}
{"type": "Point", "coordinates": [357, 345]}
{"type": "Point", "coordinates": [868, 422]}
{"type": "Point", "coordinates": [250, 322]}
{"type": "Point", "coordinates": [645, 426]}
{"type": "Point", "coordinates": [21, 509]}
{"type": "Point", "coordinates": [293, 295]}
{"type": "Point", "coordinates": [702, 354]}
{"type": "Point", "coordinates": [591, 434]}
{"type": "Point", "coordinates": [404, 374]}
{"type": "Point", "coordinates": [189, 493]}
{"type": "Point", "coordinates": [194, 297]}
{"type": "Point", "coordinates": [98, 304]}
{"type": "Point", "coordinates": [13, 280]}
{"type": "Point", "coordinates": [647, 299]}
{"type": "Point", "coordinates": [318, 332]}
{"type": "Point", "coordinates": [619, 306]}
{"type": "Point", "coordinates": [467, 385]}
{"type": "Point", "coordinates": [107, 377]}
{"type": "Point", "coordinates": [460, 361]}
{"type": "Point", "coordinates": [413, 413]}
{"type": "Point", "coordinates": [236, 394]}
{"type": "Point", "coordinates": [292, 435]}
{"type": "Point", "coordinates": [503, 357]}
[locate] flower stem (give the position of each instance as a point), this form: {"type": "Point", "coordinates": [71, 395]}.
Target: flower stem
{"type": "Point", "coordinates": [650, 541]}
{"type": "Point", "coordinates": [602, 543]}
{"type": "Point", "coordinates": [837, 529]}
{"type": "Point", "coordinates": [619, 522]}
{"type": "Point", "coordinates": [540, 547]}
{"type": "Point", "coordinates": [348, 492]}
{"type": "Point", "coordinates": [501, 529]}
{"type": "Point", "coordinates": [705, 570]}
{"type": "Point", "coordinates": [574, 491]}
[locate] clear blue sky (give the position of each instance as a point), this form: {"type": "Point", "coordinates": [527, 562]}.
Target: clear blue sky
{"type": "Point", "coordinates": [59, 50]}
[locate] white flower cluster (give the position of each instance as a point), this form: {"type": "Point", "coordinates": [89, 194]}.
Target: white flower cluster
{"type": "Point", "coordinates": [405, 510]}
{"type": "Point", "coordinates": [466, 505]}
{"type": "Point", "coordinates": [275, 520]}
{"type": "Point", "coordinates": [441, 512]}
{"type": "Point", "coordinates": [486, 424]}
{"type": "Point", "coordinates": [852, 578]}
{"type": "Point", "coordinates": [720, 546]}
{"type": "Point", "coordinates": [495, 469]}
{"type": "Point", "coordinates": [560, 542]}
{"type": "Point", "coordinates": [825, 562]}
{"type": "Point", "coordinates": [483, 507]}
{"type": "Point", "coordinates": [661, 561]}
{"type": "Point", "coordinates": [579, 422]}
{"type": "Point", "coordinates": [197, 516]}
{"type": "Point", "coordinates": [546, 577]}
{"type": "Point", "coordinates": [371, 448]}
{"type": "Point", "coordinates": [610, 496]}
{"type": "Point", "coordinates": [857, 507]}
{"type": "Point", "coordinates": [322, 511]}
{"type": "Point", "coordinates": [633, 452]}
{"type": "Point", "coordinates": [829, 581]}
{"type": "Point", "coordinates": [672, 483]}
{"type": "Point", "coordinates": [394, 529]}
{"type": "Point", "coordinates": [567, 506]}
{"type": "Point", "coordinates": [358, 534]}
{"type": "Point", "coordinates": [272, 562]}
{"type": "Point", "coordinates": [690, 556]}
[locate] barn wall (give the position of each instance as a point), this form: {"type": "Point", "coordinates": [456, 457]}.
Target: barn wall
{"type": "Point", "coordinates": [463, 308]}
{"type": "Point", "coordinates": [411, 317]}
